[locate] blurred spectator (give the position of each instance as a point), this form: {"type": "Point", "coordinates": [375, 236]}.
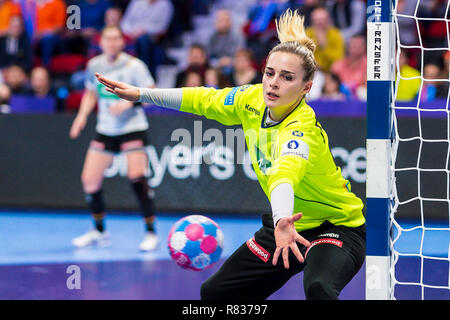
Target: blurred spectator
{"type": "Point", "coordinates": [202, 7]}
{"type": "Point", "coordinates": [40, 83]}
{"type": "Point", "coordinates": [41, 86]}
{"type": "Point", "coordinates": [147, 22]}
{"type": "Point", "coordinates": [215, 78]}
{"type": "Point", "coordinates": [45, 20]}
{"type": "Point", "coordinates": [4, 93]}
{"type": "Point", "coordinates": [8, 9]}
{"type": "Point", "coordinates": [446, 68]}
{"type": "Point", "coordinates": [261, 14]}
{"type": "Point", "coordinates": [16, 82]}
{"type": "Point", "coordinates": [197, 61]}
{"type": "Point", "coordinates": [193, 79]}
{"type": "Point", "coordinates": [409, 82]}
{"type": "Point", "coordinates": [92, 21]}
{"type": "Point", "coordinates": [112, 17]}
{"type": "Point", "coordinates": [4, 98]}
{"type": "Point", "coordinates": [433, 32]}
{"type": "Point", "coordinates": [332, 88]}
{"type": "Point", "coordinates": [244, 71]}
{"type": "Point", "coordinates": [307, 7]}
{"type": "Point", "coordinates": [361, 93]}
{"type": "Point", "coordinates": [122, 4]}
{"type": "Point", "coordinates": [260, 29]}
{"type": "Point", "coordinates": [406, 22]}
{"type": "Point", "coordinates": [92, 15]}
{"type": "Point", "coordinates": [432, 90]}
{"type": "Point", "coordinates": [352, 69]}
{"type": "Point", "coordinates": [408, 29]}
{"type": "Point", "coordinates": [16, 79]}
{"type": "Point", "coordinates": [349, 16]}
{"type": "Point", "coordinates": [329, 41]}
{"type": "Point", "coordinates": [224, 41]}
{"type": "Point", "coordinates": [317, 85]}
{"type": "Point", "coordinates": [181, 21]}
{"type": "Point", "coordinates": [15, 46]}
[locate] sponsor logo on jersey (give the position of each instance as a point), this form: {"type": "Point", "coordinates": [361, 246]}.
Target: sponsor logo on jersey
{"type": "Point", "coordinates": [251, 109]}
{"type": "Point", "coordinates": [258, 250]}
{"type": "Point", "coordinates": [295, 148]}
{"type": "Point", "coordinates": [242, 88]}
{"type": "Point", "coordinates": [293, 144]}
{"type": "Point", "coordinates": [229, 99]}
{"type": "Point", "coordinates": [297, 133]}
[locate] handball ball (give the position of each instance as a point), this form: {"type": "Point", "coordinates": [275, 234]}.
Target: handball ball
{"type": "Point", "coordinates": [195, 242]}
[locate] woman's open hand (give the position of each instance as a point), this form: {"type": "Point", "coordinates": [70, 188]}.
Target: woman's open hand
{"type": "Point", "coordinates": [287, 237]}
{"type": "Point", "coordinates": [122, 90]}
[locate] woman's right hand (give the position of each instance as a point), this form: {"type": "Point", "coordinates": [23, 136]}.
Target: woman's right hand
{"type": "Point", "coordinates": [77, 126]}
{"type": "Point", "coordinates": [286, 237]}
{"type": "Point", "coordinates": [122, 90]}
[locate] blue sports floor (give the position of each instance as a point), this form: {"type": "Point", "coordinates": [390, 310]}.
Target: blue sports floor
{"type": "Point", "coordinates": [36, 257]}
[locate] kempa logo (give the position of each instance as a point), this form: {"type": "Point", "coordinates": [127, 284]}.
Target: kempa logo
{"type": "Point", "coordinates": [251, 109]}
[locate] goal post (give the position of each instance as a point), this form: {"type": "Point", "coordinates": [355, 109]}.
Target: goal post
{"type": "Point", "coordinates": [380, 76]}
{"type": "Point", "coordinates": [408, 150]}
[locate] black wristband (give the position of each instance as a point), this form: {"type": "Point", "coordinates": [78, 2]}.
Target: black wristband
{"type": "Point", "coordinates": [137, 104]}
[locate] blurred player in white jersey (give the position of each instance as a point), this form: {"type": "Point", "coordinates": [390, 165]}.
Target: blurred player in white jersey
{"type": "Point", "coordinates": [121, 127]}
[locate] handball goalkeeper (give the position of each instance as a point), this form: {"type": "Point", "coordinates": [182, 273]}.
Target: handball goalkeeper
{"type": "Point", "coordinates": [317, 225]}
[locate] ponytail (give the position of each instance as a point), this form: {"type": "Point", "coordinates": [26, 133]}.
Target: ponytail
{"type": "Point", "coordinates": [290, 27]}
{"type": "Point", "coordinates": [293, 38]}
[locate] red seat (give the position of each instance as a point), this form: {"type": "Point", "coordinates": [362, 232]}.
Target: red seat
{"type": "Point", "coordinates": [73, 100]}
{"type": "Point", "coordinates": [67, 63]}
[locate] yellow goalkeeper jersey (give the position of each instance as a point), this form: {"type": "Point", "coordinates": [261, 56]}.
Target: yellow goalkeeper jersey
{"type": "Point", "coordinates": [293, 151]}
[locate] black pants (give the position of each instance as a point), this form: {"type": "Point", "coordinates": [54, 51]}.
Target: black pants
{"type": "Point", "coordinates": [336, 254]}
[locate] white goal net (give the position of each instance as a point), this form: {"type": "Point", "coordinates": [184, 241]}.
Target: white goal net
{"type": "Point", "coordinates": [420, 159]}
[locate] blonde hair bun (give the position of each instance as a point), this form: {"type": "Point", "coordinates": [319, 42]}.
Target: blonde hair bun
{"type": "Point", "coordinates": [290, 28]}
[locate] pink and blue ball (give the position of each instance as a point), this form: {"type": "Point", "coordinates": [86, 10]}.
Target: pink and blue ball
{"type": "Point", "coordinates": [195, 242]}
